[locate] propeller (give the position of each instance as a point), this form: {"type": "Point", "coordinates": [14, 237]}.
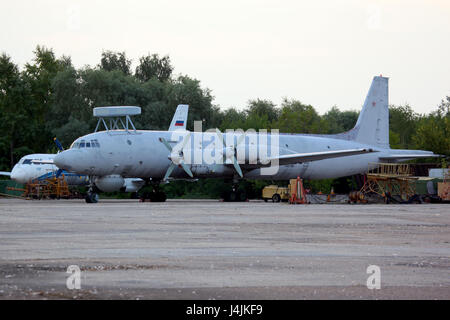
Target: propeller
{"type": "Point", "coordinates": [230, 152]}
{"type": "Point", "coordinates": [60, 148]}
{"type": "Point", "coordinates": [177, 157]}
{"type": "Point", "coordinates": [58, 144]}
{"type": "Point", "coordinates": [58, 173]}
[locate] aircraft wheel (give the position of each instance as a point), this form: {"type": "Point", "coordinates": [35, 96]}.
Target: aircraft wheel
{"type": "Point", "coordinates": [242, 196]}
{"type": "Point", "coordinates": [134, 195]}
{"type": "Point", "coordinates": [160, 197]}
{"type": "Point", "coordinates": [276, 197]}
{"type": "Point", "coordinates": [157, 196]}
{"type": "Point", "coordinates": [232, 196]}
{"type": "Point", "coordinates": [91, 198]}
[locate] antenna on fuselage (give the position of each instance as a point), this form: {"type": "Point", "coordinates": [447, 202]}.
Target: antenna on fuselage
{"type": "Point", "coordinates": [115, 115]}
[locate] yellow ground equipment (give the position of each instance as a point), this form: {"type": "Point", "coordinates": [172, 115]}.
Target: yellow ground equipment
{"type": "Point", "coordinates": [51, 188]}
{"type": "Point", "coordinates": [275, 193]}
{"type": "Point", "coordinates": [388, 180]}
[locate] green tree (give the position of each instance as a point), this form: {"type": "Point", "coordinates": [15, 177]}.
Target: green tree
{"type": "Point", "coordinates": [153, 66]}
{"type": "Point", "coordinates": [115, 61]}
{"type": "Point", "coordinates": [185, 90]}
{"type": "Point", "coordinates": [402, 124]}
{"type": "Point", "coordinates": [13, 115]}
{"type": "Point", "coordinates": [37, 77]}
{"type": "Point", "coordinates": [262, 108]}
{"type": "Point", "coordinates": [433, 131]}
{"type": "Point", "coordinates": [337, 121]}
{"type": "Point", "coordinates": [296, 117]}
{"type": "Point", "coordinates": [232, 119]}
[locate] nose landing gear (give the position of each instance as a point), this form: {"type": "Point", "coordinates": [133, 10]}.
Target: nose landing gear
{"type": "Point", "coordinates": [91, 196]}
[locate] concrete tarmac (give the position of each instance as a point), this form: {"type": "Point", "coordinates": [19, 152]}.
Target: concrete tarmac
{"type": "Point", "coordinates": [206, 249]}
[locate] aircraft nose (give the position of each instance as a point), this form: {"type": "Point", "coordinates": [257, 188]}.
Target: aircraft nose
{"type": "Point", "coordinates": [19, 175]}
{"type": "Point", "coordinates": [62, 160]}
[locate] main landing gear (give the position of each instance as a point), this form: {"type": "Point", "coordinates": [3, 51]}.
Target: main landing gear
{"type": "Point", "coordinates": [156, 195]}
{"type": "Point", "coordinates": [235, 195]}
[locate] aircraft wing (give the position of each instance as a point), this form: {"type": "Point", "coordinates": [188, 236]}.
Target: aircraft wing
{"type": "Point", "coordinates": [4, 173]}
{"type": "Point", "coordinates": [404, 156]}
{"type": "Point", "coordinates": [314, 156]}
{"type": "Point", "coordinates": [179, 118]}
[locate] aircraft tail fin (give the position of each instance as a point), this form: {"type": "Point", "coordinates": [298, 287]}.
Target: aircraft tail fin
{"type": "Point", "coordinates": [180, 118]}
{"type": "Point", "coordinates": [372, 127]}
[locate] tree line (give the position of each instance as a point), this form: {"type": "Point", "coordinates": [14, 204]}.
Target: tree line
{"type": "Point", "coordinates": [50, 97]}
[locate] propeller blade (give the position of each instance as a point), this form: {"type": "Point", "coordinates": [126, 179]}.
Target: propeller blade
{"type": "Point", "coordinates": [185, 140]}
{"type": "Point", "coordinates": [237, 167]}
{"type": "Point", "coordinates": [58, 144]}
{"type": "Point", "coordinates": [58, 173]}
{"type": "Point", "coordinates": [186, 168]}
{"type": "Point", "coordinates": [221, 137]}
{"type": "Point", "coordinates": [169, 171]}
{"type": "Point", "coordinates": [168, 146]}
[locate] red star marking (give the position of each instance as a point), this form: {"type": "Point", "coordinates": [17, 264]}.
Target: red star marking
{"type": "Point", "coordinates": [373, 104]}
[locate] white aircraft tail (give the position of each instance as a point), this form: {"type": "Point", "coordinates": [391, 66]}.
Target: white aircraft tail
{"type": "Point", "coordinates": [180, 118]}
{"type": "Point", "coordinates": [372, 126]}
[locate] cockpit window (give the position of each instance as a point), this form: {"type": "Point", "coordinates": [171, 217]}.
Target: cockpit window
{"type": "Point", "coordinates": [27, 161]}
{"type": "Point", "coordinates": [85, 144]}
{"type": "Point", "coordinates": [95, 144]}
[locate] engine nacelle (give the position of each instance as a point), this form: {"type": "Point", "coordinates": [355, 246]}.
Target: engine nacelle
{"type": "Point", "coordinates": [110, 183]}
{"type": "Point", "coordinates": [132, 185]}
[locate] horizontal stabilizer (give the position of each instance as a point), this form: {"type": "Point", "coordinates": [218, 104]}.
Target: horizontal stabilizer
{"type": "Point", "coordinates": [4, 173]}
{"type": "Point", "coordinates": [314, 156]}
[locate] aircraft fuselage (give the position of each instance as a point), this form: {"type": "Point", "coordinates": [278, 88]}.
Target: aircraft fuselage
{"type": "Point", "coordinates": [141, 154]}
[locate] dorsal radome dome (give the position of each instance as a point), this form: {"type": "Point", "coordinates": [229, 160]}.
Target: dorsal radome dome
{"type": "Point", "coordinates": [116, 111]}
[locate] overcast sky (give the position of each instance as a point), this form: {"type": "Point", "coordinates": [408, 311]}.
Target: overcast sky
{"type": "Point", "coordinates": [321, 52]}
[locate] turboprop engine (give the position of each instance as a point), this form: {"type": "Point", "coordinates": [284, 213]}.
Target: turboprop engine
{"type": "Point", "coordinates": [110, 183]}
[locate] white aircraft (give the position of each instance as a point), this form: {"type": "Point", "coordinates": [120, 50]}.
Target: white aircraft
{"type": "Point", "coordinates": [31, 167]}
{"type": "Point", "coordinates": [39, 167]}
{"type": "Point", "coordinates": [122, 151]}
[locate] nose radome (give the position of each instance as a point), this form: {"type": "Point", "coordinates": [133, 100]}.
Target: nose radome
{"type": "Point", "coordinates": [61, 160]}
{"type": "Point", "coordinates": [19, 175]}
